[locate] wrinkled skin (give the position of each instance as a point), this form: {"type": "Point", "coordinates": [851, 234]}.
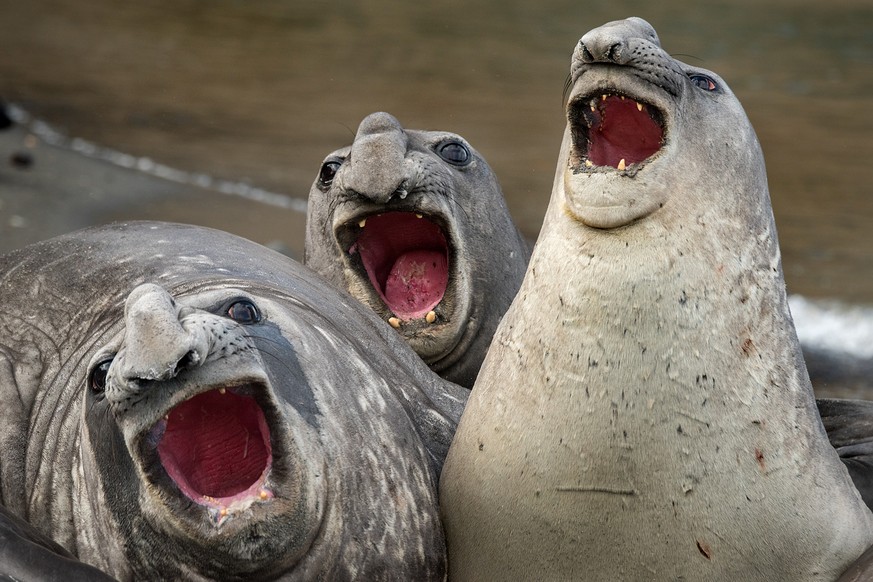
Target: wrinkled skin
{"type": "Point", "coordinates": [400, 208]}
{"type": "Point", "coordinates": [108, 336]}
{"type": "Point", "coordinates": [644, 411]}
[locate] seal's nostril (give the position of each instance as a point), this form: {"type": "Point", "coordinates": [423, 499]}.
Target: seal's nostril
{"type": "Point", "coordinates": [189, 360]}
{"type": "Point", "coordinates": [586, 54]}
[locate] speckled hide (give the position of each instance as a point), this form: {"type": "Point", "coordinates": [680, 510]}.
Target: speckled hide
{"type": "Point", "coordinates": [180, 403]}
{"type": "Point", "coordinates": [644, 412]}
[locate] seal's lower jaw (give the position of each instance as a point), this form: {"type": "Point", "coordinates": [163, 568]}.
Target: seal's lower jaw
{"type": "Point", "coordinates": [216, 449]}
{"type": "Point", "coordinates": [614, 131]}
{"type": "Point", "coordinates": [403, 263]}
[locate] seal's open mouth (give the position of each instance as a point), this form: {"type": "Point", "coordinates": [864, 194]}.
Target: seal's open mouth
{"type": "Point", "coordinates": [406, 259]}
{"type": "Point", "coordinates": [216, 448]}
{"type": "Point", "coordinates": [614, 130]}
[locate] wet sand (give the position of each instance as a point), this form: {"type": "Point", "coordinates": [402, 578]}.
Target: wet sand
{"type": "Point", "coordinates": [260, 92]}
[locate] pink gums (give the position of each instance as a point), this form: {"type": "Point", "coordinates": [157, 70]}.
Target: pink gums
{"type": "Point", "coordinates": [216, 447]}
{"type": "Point", "coordinates": [622, 131]}
{"type": "Point", "coordinates": [407, 262]}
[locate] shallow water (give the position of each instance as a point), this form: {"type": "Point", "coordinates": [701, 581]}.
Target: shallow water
{"type": "Point", "coordinates": [259, 92]}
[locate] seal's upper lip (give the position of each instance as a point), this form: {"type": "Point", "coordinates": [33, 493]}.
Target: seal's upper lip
{"type": "Point", "coordinates": [406, 256]}
{"type": "Point", "coordinates": [611, 129]}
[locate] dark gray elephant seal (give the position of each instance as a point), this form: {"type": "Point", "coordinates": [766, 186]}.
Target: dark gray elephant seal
{"type": "Point", "coordinates": [414, 225]}
{"type": "Point", "coordinates": [180, 403]}
{"type": "Point", "coordinates": [644, 412]}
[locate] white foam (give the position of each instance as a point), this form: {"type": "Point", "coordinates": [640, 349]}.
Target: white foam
{"type": "Point", "coordinates": [833, 326]}
{"type": "Point", "coordinates": [51, 136]}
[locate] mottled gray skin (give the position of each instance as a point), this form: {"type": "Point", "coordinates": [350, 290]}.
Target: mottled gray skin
{"type": "Point", "coordinates": [358, 425]}
{"type": "Point", "coordinates": [388, 168]}
{"type": "Point", "coordinates": [644, 412]}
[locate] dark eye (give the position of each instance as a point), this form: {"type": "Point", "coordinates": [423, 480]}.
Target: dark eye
{"type": "Point", "coordinates": [244, 312]}
{"type": "Point", "coordinates": [704, 82]}
{"type": "Point", "coordinates": [454, 152]}
{"type": "Point", "coordinates": [328, 171]}
{"type": "Point", "coordinates": [97, 377]}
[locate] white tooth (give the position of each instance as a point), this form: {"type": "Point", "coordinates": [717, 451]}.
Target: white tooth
{"type": "Point", "coordinates": [417, 215]}
{"type": "Point", "coordinates": [593, 108]}
{"type": "Point", "coordinates": [588, 163]}
{"type": "Point", "coordinates": [166, 417]}
{"type": "Point", "coordinates": [603, 97]}
{"type": "Point", "coordinates": [362, 222]}
{"type": "Point", "coordinates": [621, 165]}
{"type": "Point", "coordinates": [222, 390]}
{"type": "Point", "coordinates": [622, 97]}
{"type": "Point", "coordinates": [430, 317]}
{"type": "Point", "coordinates": [639, 106]}
{"type": "Point", "coordinates": [394, 322]}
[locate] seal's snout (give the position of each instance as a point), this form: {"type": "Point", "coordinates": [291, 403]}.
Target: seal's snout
{"type": "Point", "coordinates": [158, 346]}
{"type": "Point", "coordinates": [375, 168]}
{"type": "Point", "coordinates": [612, 42]}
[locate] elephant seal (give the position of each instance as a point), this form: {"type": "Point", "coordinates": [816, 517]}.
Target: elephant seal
{"type": "Point", "coordinates": [180, 403]}
{"type": "Point", "coordinates": [644, 411]}
{"type": "Point", "coordinates": [414, 225]}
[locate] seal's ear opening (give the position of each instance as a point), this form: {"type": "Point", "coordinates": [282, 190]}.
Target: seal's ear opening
{"type": "Point", "coordinates": [614, 130]}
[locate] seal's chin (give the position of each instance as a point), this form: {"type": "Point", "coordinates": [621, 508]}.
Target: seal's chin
{"type": "Point", "coordinates": [216, 448]}
{"type": "Point", "coordinates": [612, 130]}
{"type": "Point", "coordinates": [405, 258]}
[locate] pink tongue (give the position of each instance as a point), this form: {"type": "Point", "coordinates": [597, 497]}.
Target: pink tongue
{"type": "Point", "coordinates": [416, 283]}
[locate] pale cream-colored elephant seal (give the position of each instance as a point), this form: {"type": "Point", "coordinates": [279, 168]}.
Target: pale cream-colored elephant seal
{"type": "Point", "coordinates": [644, 412]}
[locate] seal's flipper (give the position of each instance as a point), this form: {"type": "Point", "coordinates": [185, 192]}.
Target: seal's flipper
{"type": "Point", "coordinates": [26, 554]}
{"type": "Point", "coordinates": [849, 424]}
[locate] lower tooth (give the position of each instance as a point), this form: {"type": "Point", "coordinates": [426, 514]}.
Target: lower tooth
{"type": "Point", "coordinates": [430, 317]}
{"type": "Point", "coordinates": [394, 322]}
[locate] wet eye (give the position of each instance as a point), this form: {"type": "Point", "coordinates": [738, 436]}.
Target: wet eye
{"type": "Point", "coordinates": [704, 82]}
{"type": "Point", "coordinates": [97, 377]}
{"type": "Point", "coordinates": [455, 153]}
{"type": "Point", "coordinates": [328, 171]}
{"type": "Point", "coordinates": [244, 312]}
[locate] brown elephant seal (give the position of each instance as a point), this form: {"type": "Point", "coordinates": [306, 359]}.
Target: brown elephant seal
{"type": "Point", "coordinates": [180, 403]}
{"type": "Point", "coordinates": [414, 225]}
{"type": "Point", "coordinates": [644, 412]}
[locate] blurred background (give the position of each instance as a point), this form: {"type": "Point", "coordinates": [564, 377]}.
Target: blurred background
{"type": "Point", "coordinates": [237, 102]}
